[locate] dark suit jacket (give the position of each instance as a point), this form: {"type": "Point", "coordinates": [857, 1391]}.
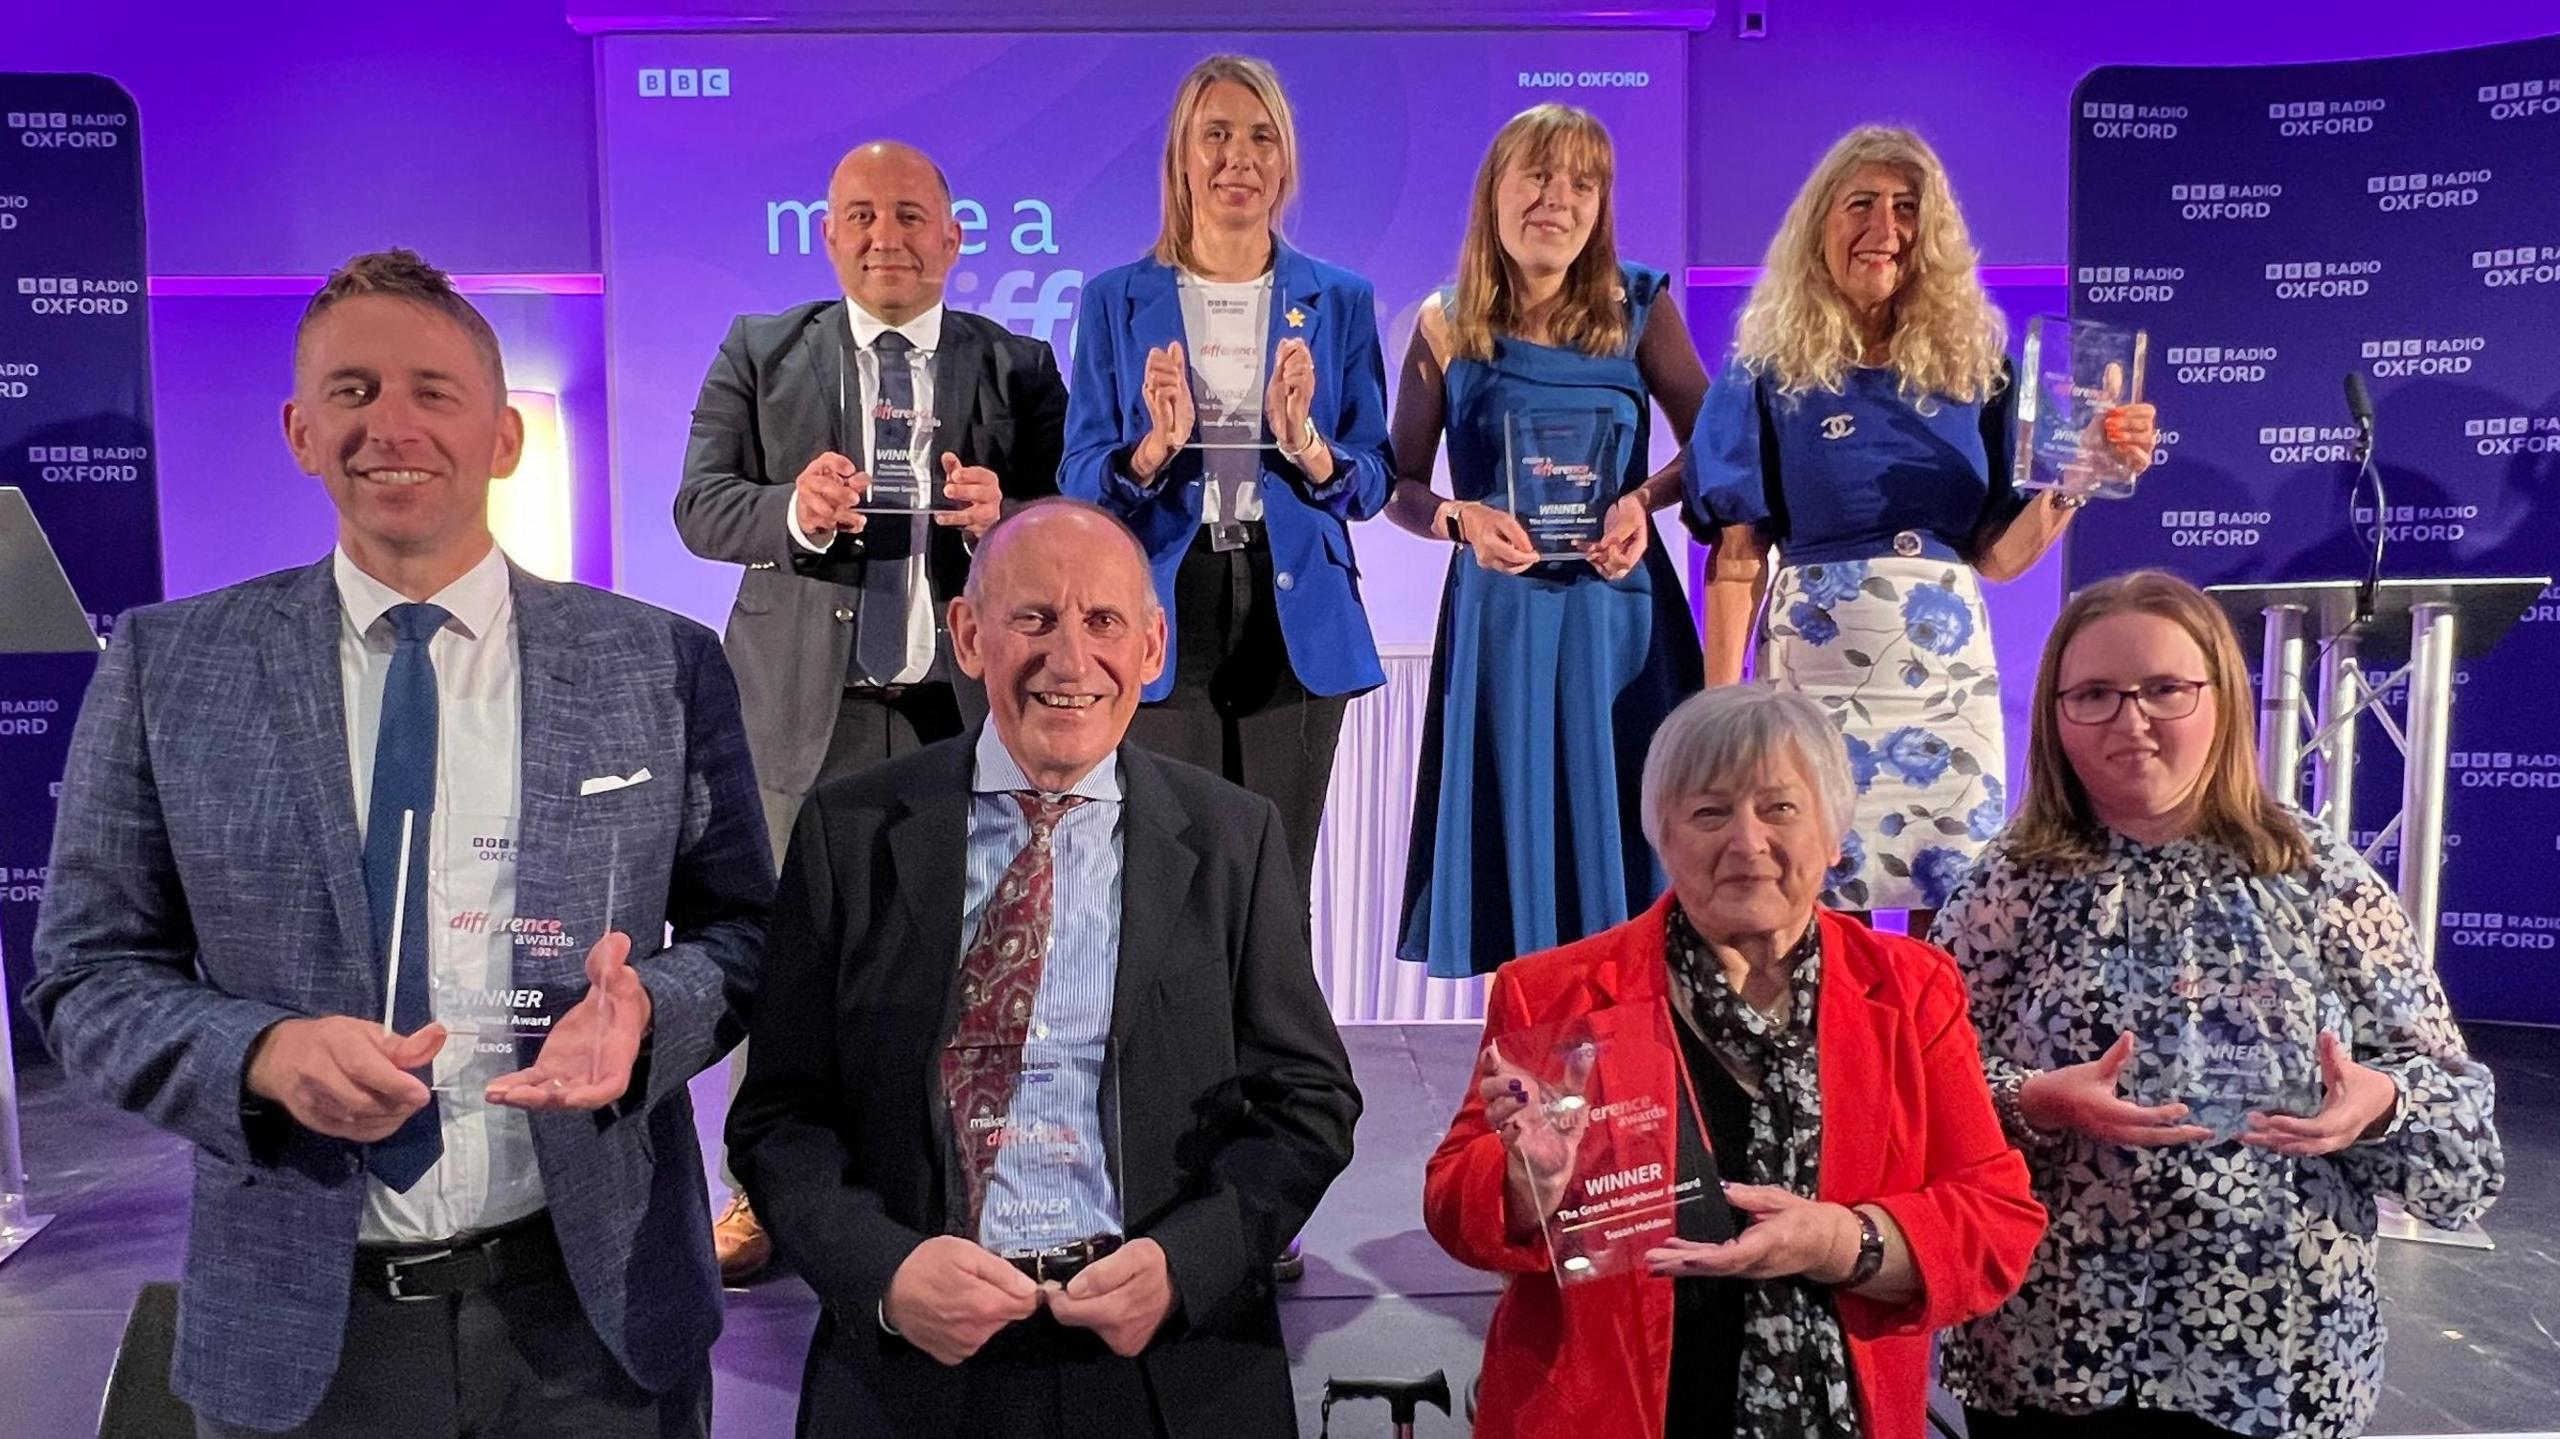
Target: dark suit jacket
{"type": "Point", "coordinates": [769, 407]}
{"type": "Point", "coordinates": [1236, 1100]}
{"type": "Point", "coordinates": [207, 882]}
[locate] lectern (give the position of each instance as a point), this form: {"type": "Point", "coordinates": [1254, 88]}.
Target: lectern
{"type": "Point", "coordinates": [2420, 626]}
{"type": "Point", "coordinates": [38, 616]}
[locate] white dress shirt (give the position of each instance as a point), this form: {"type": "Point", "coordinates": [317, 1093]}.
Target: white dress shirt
{"type": "Point", "coordinates": [488, 1175]}
{"type": "Point", "coordinates": [924, 332]}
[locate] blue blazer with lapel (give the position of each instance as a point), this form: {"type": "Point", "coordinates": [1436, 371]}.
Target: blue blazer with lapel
{"type": "Point", "coordinates": [1128, 311]}
{"type": "Point", "coordinates": [207, 883]}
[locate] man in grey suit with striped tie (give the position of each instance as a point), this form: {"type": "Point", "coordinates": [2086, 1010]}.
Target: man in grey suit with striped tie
{"type": "Point", "coordinates": [360, 884]}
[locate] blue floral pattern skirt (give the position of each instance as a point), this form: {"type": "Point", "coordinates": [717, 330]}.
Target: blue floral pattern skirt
{"type": "Point", "coordinates": [1898, 652]}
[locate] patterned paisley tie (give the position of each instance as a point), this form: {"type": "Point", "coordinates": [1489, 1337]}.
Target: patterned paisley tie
{"type": "Point", "coordinates": [999, 979]}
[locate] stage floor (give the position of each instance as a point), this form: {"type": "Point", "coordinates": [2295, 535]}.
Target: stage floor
{"type": "Point", "coordinates": [2471, 1353]}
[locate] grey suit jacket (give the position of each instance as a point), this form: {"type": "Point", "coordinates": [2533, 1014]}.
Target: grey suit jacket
{"type": "Point", "coordinates": [769, 406]}
{"type": "Point", "coordinates": [207, 882]}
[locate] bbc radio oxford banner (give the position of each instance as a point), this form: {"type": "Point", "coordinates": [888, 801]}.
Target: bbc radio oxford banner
{"type": "Point", "coordinates": [2274, 229]}
{"type": "Point", "coordinates": [75, 424]}
{"type": "Point", "coordinates": [717, 150]}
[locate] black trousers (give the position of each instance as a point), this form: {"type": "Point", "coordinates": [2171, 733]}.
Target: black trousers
{"type": "Point", "coordinates": [2127, 1422]}
{"type": "Point", "coordinates": [1041, 1380]}
{"type": "Point", "coordinates": [871, 725]}
{"type": "Point", "coordinates": [1237, 708]}
{"type": "Point", "coordinates": [515, 1362]}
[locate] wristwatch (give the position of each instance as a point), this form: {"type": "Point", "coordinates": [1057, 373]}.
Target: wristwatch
{"type": "Point", "coordinates": [2062, 501]}
{"type": "Point", "coordinates": [1870, 1252]}
{"type": "Point", "coordinates": [1449, 522]}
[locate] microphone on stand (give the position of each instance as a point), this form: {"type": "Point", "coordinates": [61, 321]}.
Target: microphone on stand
{"type": "Point", "coordinates": [2360, 406]}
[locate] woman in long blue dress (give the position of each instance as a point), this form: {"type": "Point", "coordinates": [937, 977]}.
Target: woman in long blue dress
{"type": "Point", "coordinates": [1864, 431]}
{"type": "Point", "coordinates": [1549, 676]}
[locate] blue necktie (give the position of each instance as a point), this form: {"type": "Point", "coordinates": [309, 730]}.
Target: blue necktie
{"type": "Point", "coordinates": [404, 779]}
{"type": "Point", "coordinates": [880, 635]}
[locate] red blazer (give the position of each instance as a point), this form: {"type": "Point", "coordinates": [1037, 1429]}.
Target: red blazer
{"type": "Point", "coordinates": [1907, 1125]}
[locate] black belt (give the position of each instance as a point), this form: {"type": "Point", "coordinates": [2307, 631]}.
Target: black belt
{"type": "Point", "coordinates": [1062, 1262]}
{"type": "Point", "coordinates": [1249, 535]}
{"type": "Point", "coordinates": [511, 1254]}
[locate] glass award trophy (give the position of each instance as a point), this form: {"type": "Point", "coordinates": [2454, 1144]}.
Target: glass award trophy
{"type": "Point", "coordinates": [2231, 1048]}
{"type": "Point", "coordinates": [1560, 472]}
{"type": "Point", "coordinates": [905, 482]}
{"type": "Point", "coordinates": [2074, 371]}
{"type": "Point", "coordinates": [1601, 1136]}
{"type": "Point", "coordinates": [1035, 1126]}
{"type": "Point", "coordinates": [1218, 424]}
{"type": "Point", "coordinates": [505, 977]}
{"type": "Point", "coordinates": [904, 479]}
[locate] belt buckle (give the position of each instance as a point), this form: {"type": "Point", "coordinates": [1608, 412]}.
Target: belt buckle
{"type": "Point", "coordinates": [1907, 543]}
{"type": "Point", "coordinates": [1228, 535]}
{"type": "Point", "coordinates": [396, 1272]}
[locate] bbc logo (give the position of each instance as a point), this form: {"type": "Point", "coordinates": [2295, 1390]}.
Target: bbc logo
{"type": "Point", "coordinates": [2474, 919]}
{"type": "Point", "coordinates": [2492, 259]}
{"type": "Point", "coordinates": [2199, 192]}
{"type": "Point", "coordinates": [2185, 519]}
{"type": "Point", "coordinates": [685, 84]}
{"type": "Point", "coordinates": [2494, 427]}
{"type": "Point", "coordinates": [2105, 111]}
{"type": "Point", "coordinates": [48, 285]}
{"type": "Point", "coordinates": [49, 455]}
{"type": "Point", "coordinates": [2105, 274]}
{"type": "Point", "coordinates": [2298, 110]}
{"type": "Point", "coordinates": [2195, 354]}
{"type": "Point", "coordinates": [2308, 270]}
{"type": "Point", "coordinates": [39, 120]}
{"type": "Point", "coordinates": [2288, 434]}
{"type": "Point", "coordinates": [2389, 349]}
{"type": "Point", "coordinates": [2393, 184]}
{"type": "Point", "coordinates": [2512, 90]}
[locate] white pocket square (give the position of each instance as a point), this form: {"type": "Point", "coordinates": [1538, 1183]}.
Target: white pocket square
{"type": "Point", "coordinates": [608, 783]}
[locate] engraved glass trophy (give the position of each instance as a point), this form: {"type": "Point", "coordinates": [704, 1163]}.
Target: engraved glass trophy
{"type": "Point", "coordinates": [1035, 1126]}
{"type": "Point", "coordinates": [1601, 1136]}
{"type": "Point", "coordinates": [1560, 476]}
{"type": "Point", "coordinates": [2074, 371]}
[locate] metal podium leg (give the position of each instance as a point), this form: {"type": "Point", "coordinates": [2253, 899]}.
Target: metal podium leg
{"type": "Point", "coordinates": [2341, 691]}
{"type": "Point", "coordinates": [2280, 704]}
{"type": "Point", "coordinates": [17, 1226]}
{"type": "Point", "coordinates": [2423, 780]}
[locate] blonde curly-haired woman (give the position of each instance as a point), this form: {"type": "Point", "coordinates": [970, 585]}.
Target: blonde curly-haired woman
{"type": "Point", "coordinates": [1863, 431]}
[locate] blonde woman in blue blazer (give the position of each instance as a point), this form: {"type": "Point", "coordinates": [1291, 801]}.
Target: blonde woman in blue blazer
{"type": "Point", "coordinates": [1230, 404]}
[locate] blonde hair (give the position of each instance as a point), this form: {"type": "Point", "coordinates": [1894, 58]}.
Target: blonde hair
{"type": "Point", "coordinates": [1948, 338]}
{"type": "Point", "coordinates": [1173, 240]}
{"type": "Point", "coordinates": [2056, 825]}
{"type": "Point", "coordinates": [1590, 315]}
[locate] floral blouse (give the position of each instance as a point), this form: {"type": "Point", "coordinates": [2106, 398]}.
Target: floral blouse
{"type": "Point", "coordinates": [2211, 1279]}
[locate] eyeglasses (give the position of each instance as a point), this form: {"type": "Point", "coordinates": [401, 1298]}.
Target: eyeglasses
{"type": "Point", "coordinates": [2158, 699]}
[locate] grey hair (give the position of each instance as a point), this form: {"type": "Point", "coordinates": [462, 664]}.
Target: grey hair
{"type": "Point", "coordinates": [1731, 733]}
{"type": "Point", "coordinates": [974, 590]}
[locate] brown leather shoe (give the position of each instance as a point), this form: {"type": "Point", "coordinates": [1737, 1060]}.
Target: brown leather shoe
{"type": "Point", "coordinates": [739, 1242]}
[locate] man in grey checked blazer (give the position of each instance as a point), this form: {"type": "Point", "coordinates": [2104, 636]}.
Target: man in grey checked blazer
{"type": "Point", "coordinates": [209, 957]}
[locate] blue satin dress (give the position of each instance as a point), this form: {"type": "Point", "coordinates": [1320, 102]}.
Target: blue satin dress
{"type": "Point", "coordinates": [1546, 688]}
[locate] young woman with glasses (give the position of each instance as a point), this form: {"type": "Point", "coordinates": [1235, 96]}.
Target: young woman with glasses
{"type": "Point", "coordinates": [2211, 1029]}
